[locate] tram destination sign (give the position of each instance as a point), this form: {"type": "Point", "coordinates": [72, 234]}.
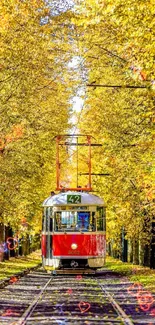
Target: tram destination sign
{"type": "Point", "coordinates": [73, 199]}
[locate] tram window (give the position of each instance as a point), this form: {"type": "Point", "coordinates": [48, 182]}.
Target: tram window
{"type": "Point", "coordinates": [83, 220]}
{"type": "Point", "coordinates": [100, 224]}
{"type": "Point", "coordinates": [58, 221]}
{"type": "Point", "coordinates": [65, 220]}
{"type": "Point", "coordinates": [44, 220]}
{"type": "Point", "coordinates": [104, 219]}
{"type": "Point", "coordinates": [51, 224]}
{"type": "Point", "coordinates": [72, 221]}
{"type": "Point", "coordinates": [100, 219]}
{"type": "Point", "coordinates": [47, 220]}
{"type": "Point", "coordinates": [93, 222]}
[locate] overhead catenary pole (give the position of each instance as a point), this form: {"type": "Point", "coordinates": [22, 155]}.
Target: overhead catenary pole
{"type": "Point", "coordinates": [57, 163]}
{"type": "Point", "coordinates": [61, 141]}
{"type": "Point", "coordinates": [77, 164]}
{"type": "Point", "coordinates": [89, 161]}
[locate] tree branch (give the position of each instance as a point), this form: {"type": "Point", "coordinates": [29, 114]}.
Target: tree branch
{"type": "Point", "coordinates": [115, 86]}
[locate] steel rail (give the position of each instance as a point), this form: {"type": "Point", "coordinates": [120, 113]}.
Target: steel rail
{"type": "Point", "coordinates": [106, 299]}
{"type": "Point", "coordinates": [124, 317]}
{"type": "Point", "coordinates": [28, 312]}
{"type": "Point", "coordinates": [41, 298]}
{"type": "Point", "coordinates": [23, 319]}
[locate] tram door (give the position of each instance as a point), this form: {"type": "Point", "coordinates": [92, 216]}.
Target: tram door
{"type": "Point", "coordinates": [47, 233]}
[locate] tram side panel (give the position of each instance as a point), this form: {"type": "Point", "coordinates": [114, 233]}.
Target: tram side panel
{"type": "Point", "coordinates": [43, 245]}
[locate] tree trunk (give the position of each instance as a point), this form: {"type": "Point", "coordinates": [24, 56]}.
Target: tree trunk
{"type": "Point", "coordinates": [152, 246]}
{"type": "Point", "coordinates": [141, 253]}
{"type": "Point", "coordinates": [26, 245]}
{"type": "Point", "coordinates": [124, 252]}
{"type": "Point", "coordinates": [2, 241]}
{"type": "Point", "coordinates": [7, 251]}
{"type": "Point", "coordinates": [130, 251]}
{"type": "Point", "coordinates": [147, 255]}
{"type": "Point", "coordinates": [135, 252]}
{"type": "Point", "coordinates": [2, 233]}
{"type": "Point", "coordinates": [109, 248]}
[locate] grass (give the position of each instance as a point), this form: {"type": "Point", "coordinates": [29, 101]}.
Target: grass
{"type": "Point", "coordinates": [135, 273]}
{"type": "Point", "coordinates": [18, 264]}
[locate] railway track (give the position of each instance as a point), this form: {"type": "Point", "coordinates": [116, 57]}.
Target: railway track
{"type": "Point", "coordinates": [39, 298]}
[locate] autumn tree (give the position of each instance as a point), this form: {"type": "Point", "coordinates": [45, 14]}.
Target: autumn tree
{"type": "Point", "coordinates": [34, 106]}
{"type": "Point", "coordinates": [117, 42]}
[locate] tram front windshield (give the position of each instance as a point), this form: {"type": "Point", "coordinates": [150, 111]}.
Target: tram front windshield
{"type": "Point", "coordinates": [73, 221]}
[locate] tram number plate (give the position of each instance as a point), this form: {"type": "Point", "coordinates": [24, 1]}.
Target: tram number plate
{"type": "Point", "coordinates": [74, 199]}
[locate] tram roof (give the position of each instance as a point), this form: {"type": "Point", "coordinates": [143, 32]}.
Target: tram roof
{"type": "Point", "coordinates": [61, 199]}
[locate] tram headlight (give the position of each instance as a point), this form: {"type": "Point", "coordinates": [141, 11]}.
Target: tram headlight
{"type": "Point", "coordinates": [74, 246]}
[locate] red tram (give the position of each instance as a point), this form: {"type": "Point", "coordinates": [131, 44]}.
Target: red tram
{"type": "Point", "coordinates": [74, 231]}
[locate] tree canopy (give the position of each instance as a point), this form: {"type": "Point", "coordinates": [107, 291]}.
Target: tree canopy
{"type": "Point", "coordinates": [34, 106]}
{"type": "Point", "coordinates": [103, 52]}
{"type": "Point", "coordinates": [117, 42]}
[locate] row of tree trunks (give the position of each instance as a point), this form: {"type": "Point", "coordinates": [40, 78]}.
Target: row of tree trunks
{"type": "Point", "coordinates": [25, 245]}
{"type": "Point", "coordinates": [133, 251]}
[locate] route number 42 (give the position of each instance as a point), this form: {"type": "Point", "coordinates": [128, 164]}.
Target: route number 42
{"type": "Point", "coordinates": [74, 199]}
